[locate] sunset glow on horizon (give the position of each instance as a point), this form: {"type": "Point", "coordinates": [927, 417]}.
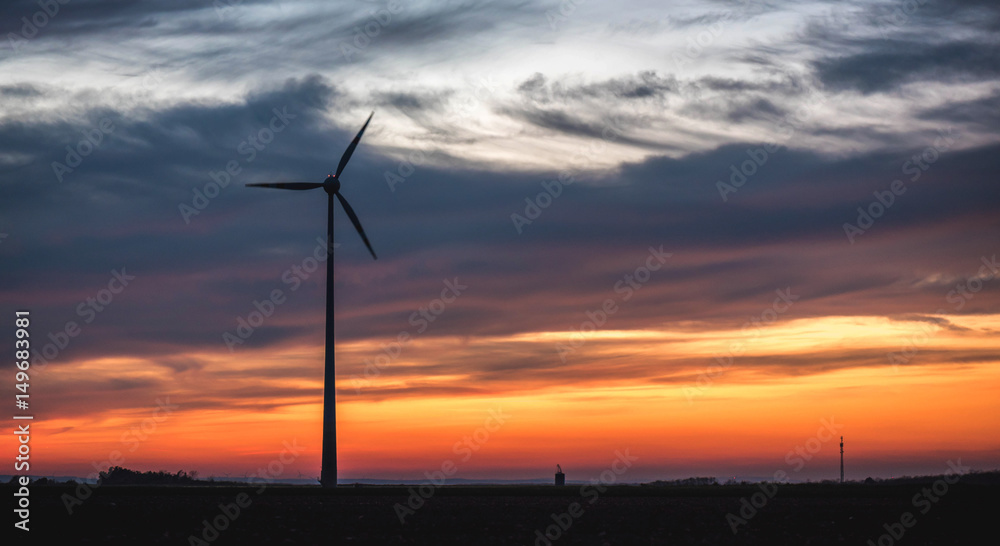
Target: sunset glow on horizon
{"type": "Point", "coordinates": [663, 395]}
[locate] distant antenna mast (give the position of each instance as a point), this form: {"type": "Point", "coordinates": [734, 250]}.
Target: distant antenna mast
{"type": "Point", "coordinates": [841, 459]}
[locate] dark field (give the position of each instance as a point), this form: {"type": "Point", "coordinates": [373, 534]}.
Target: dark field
{"type": "Point", "coordinates": [797, 514]}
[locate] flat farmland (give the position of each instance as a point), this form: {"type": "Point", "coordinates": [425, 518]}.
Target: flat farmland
{"type": "Point", "coordinates": [530, 515]}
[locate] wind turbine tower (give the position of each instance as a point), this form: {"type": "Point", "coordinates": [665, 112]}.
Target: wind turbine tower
{"type": "Point", "coordinates": [331, 186]}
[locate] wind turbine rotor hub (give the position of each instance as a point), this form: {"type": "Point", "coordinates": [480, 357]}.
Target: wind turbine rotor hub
{"type": "Point", "coordinates": [331, 185]}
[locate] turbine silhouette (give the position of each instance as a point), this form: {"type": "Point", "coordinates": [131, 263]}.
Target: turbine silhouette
{"type": "Point", "coordinates": [328, 476]}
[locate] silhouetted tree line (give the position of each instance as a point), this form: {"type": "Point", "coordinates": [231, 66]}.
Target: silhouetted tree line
{"type": "Point", "coordinates": [118, 475]}
{"type": "Point", "coordinates": [709, 480]}
{"type": "Point", "coordinates": [981, 477]}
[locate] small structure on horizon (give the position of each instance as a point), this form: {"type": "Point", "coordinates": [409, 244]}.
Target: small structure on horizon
{"type": "Point", "coordinates": [841, 459]}
{"type": "Point", "coordinates": [560, 477]}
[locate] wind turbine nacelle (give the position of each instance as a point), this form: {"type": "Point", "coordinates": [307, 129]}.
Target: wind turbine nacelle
{"type": "Point", "coordinates": [331, 185]}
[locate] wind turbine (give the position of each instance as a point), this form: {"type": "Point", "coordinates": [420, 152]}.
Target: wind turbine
{"type": "Point", "coordinates": [328, 476]}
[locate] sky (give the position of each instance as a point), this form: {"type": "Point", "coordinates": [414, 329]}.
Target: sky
{"type": "Point", "coordinates": [715, 236]}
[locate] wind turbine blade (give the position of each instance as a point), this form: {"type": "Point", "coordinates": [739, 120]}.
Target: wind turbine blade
{"type": "Point", "coordinates": [354, 144]}
{"type": "Point", "coordinates": [288, 185]}
{"type": "Point", "coordinates": [357, 223]}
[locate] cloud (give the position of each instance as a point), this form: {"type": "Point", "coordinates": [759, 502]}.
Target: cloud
{"type": "Point", "coordinates": [732, 254]}
{"type": "Point", "coordinates": [20, 91]}
{"type": "Point", "coordinates": [409, 101]}
{"type": "Point", "coordinates": [563, 123]}
{"type": "Point", "coordinates": [886, 65]}
{"type": "Point", "coordinates": [738, 110]}
{"type": "Point", "coordinates": [983, 112]}
{"type": "Point", "coordinates": [937, 321]}
{"type": "Point", "coordinates": [645, 84]}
